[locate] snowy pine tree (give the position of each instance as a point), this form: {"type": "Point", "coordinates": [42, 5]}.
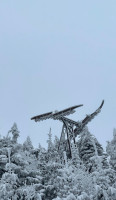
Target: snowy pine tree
{"type": "Point", "coordinates": [111, 150]}
{"type": "Point", "coordinates": [88, 147]}
{"type": "Point", "coordinates": [85, 176]}
{"type": "Point", "coordinates": [49, 141]}
{"type": "Point", "coordinates": [27, 145]}
{"type": "Point", "coordinates": [15, 132]}
{"type": "Point", "coordinates": [8, 185]}
{"type": "Point", "coordinates": [75, 155]}
{"type": "Point", "coordinates": [56, 143]}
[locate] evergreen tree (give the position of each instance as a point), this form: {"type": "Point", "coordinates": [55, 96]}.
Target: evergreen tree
{"type": "Point", "coordinates": [27, 145]}
{"type": "Point", "coordinates": [56, 143]}
{"type": "Point", "coordinates": [23, 176]}
{"type": "Point", "coordinates": [75, 155]}
{"type": "Point", "coordinates": [15, 132]}
{"type": "Point", "coordinates": [49, 141]}
{"type": "Point", "coordinates": [88, 147]}
{"type": "Point", "coordinates": [50, 149]}
{"type": "Point", "coordinates": [8, 185]}
{"type": "Point", "coordinates": [111, 150]}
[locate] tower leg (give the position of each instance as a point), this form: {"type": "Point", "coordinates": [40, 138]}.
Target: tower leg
{"type": "Point", "coordinates": [62, 140]}
{"type": "Point", "coordinates": [65, 145]}
{"type": "Point", "coordinates": [68, 139]}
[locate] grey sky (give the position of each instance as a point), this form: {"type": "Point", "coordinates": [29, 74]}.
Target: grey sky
{"type": "Point", "coordinates": [53, 55]}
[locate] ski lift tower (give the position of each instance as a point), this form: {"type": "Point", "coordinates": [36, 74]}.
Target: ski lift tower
{"type": "Point", "coordinates": [70, 128]}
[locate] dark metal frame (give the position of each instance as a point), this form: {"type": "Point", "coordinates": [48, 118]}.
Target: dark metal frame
{"type": "Point", "coordinates": [70, 128]}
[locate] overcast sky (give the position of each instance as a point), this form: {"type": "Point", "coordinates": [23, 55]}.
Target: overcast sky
{"type": "Point", "coordinates": [53, 55]}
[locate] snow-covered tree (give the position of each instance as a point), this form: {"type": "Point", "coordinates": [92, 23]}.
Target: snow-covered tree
{"type": "Point", "coordinates": [15, 132]}
{"type": "Point", "coordinates": [56, 143]}
{"type": "Point", "coordinates": [49, 141]}
{"type": "Point", "coordinates": [8, 185]}
{"type": "Point", "coordinates": [88, 147]}
{"type": "Point", "coordinates": [75, 155]}
{"type": "Point", "coordinates": [27, 145]}
{"type": "Point", "coordinates": [52, 152]}
{"type": "Point", "coordinates": [111, 150]}
{"type": "Point", "coordinates": [85, 176]}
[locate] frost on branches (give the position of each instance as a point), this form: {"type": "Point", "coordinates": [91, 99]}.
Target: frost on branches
{"type": "Point", "coordinates": [111, 150]}
{"type": "Point", "coordinates": [44, 174]}
{"type": "Point", "coordinates": [15, 132]}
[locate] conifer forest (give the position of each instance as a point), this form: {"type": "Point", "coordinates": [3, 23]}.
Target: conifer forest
{"type": "Point", "coordinates": [27, 173]}
{"type": "Point", "coordinates": [56, 57]}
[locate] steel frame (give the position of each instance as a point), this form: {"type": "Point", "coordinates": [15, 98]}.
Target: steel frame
{"type": "Point", "coordinates": [70, 128]}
